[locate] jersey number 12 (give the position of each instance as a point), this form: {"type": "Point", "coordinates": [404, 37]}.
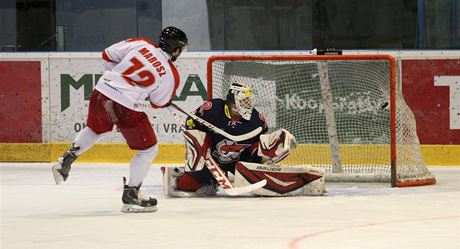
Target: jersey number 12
{"type": "Point", "coordinates": [146, 76]}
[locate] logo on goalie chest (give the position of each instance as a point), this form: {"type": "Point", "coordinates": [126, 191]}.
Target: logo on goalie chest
{"type": "Point", "coordinates": [229, 151]}
{"type": "Point", "coordinates": [234, 123]}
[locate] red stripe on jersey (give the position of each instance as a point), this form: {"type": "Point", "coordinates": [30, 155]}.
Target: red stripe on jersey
{"type": "Point", "coordinates": [142, 39]}
{"type": "Point", "coordinates": [106, 57]}
{"type": "Point", "coordinates": [176, 85]}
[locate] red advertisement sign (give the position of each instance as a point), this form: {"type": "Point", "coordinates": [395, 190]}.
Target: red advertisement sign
{"type": "Point", "coordinates": [431, 88]}
{"type": "Point", "coordinates": [20, 102]}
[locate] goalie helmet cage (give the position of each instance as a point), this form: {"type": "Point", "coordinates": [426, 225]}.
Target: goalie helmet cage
{"type": "Point", "coordinates": [347, 112]}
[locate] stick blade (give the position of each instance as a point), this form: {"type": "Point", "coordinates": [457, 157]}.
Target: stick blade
{"type": "Point", "coordinates": [246, 189]}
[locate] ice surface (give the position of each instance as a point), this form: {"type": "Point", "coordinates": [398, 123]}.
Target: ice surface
{"type": "Point", "coordinates": [84, 213]}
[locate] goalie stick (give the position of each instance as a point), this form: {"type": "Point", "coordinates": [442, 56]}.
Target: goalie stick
{"type": "Point", "coordinates": [214, 129]}
{"type": "Point", "coordinates": [219, 174]}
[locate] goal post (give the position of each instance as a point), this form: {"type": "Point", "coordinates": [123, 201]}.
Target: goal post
{"type": "Point", "coordinates": [347, 112]}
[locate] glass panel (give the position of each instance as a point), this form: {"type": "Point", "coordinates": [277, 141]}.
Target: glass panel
{"type": "Point", "coordinates": [7, 25]}
{"type": "Point", "coordinates": [34, 20]}
{"type": "Point", "coordinates": [77, 25]}
{"type": "Point", "coordinates": [93, 25]}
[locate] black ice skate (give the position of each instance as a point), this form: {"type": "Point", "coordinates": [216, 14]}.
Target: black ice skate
{"type": "Point", "coordinates": [62, 168]}
{"type": "Point", "coordinates": [135, 202]}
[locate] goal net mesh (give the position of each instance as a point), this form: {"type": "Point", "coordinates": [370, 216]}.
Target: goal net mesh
{"type": "Point", "coordinates": [338, 110]}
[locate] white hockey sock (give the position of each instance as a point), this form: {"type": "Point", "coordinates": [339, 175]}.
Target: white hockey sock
{"type": "Point", "coordinates": [86, 138]}
{"type": "Point", "coordinates": [140, 165]}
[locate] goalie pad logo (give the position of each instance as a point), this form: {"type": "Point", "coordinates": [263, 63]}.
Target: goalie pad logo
{"type": "Point", "coordinates": [229, 151]}
{"type": "Point", "coordinates": [278, 180]}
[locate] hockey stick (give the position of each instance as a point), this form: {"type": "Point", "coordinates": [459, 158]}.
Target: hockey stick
{"type": "Point", "coordinates": [225, 183]}
{"type": "Point", "coordinates": [219, 174]}
{"type": "Point", "coordinates": [214, 129]}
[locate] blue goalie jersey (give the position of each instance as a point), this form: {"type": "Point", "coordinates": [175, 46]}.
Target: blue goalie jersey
{"type": "Point", "coordinates": [225, 151]}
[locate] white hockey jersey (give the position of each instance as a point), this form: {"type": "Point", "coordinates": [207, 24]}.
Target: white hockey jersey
{"type": "Point", "coordinates": [138, 70]}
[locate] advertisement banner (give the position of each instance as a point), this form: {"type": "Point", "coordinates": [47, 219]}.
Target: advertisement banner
{"type": "Point", "coordinates": [20, 102]}
{"type": "Point", "coordinates": [45, 97]}
{"type": "Point", "coordinates": [72, 82]}
{"type": "Point", "coordinates": [432, 90]}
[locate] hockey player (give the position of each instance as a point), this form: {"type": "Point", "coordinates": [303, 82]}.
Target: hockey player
{"type": "Point", "coordinates": [237, 116]}
{"type": "Point", "coordinates": [136, 71]}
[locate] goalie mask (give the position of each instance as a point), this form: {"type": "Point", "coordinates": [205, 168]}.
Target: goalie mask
{"type": "Point", "coordinates": [241, 99]}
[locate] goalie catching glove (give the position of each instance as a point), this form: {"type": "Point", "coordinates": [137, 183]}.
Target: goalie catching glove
{"type": "Point", "coordinates": [276, 146]}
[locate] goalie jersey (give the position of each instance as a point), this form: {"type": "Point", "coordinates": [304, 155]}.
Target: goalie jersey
{"type": "Point", "coordinates": [225, 151]}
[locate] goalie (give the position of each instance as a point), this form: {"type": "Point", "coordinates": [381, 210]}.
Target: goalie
{"type": "Point", "coordinates": [251, 160]}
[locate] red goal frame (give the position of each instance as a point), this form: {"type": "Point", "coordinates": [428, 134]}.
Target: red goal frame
{"type": "Point", "coordinates": [393, 89]}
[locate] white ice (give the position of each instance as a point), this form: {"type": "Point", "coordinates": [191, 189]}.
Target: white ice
{"type": "Point", "coordinates": [84, 213]}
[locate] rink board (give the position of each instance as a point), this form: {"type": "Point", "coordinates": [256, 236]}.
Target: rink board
{"type": "Point", "coordinates": [66, 81]}
{"type": "Point", "coordinates": [445, 155]}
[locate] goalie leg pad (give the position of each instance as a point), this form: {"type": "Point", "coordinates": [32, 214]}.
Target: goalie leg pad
{"type": "Point", "coordinates": [281, 180]}
{"type": "Point", "coordinates": [178, 183]}
{"type": "Point", "coordinates": [196, 147]}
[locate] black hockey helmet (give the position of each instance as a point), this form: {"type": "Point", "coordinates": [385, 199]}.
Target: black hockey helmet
{"type": "Point", "coordinates": [173, 41]}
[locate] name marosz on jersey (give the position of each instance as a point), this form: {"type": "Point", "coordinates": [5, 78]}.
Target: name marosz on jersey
{"type": "Point", "coordinates": [153, 60]}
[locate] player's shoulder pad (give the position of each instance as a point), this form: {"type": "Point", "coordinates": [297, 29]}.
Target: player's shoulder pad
{"type": "Point", "coordinates": [217, 101]}
{"type": "Point", "coordinates": [259, 117]}
{"type": "Point", "coordinates": [141, 39]}
{"type": "Point", "coordinates": [211, 105]}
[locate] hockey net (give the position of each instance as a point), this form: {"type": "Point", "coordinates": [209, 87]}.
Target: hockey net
{"type": "Point", "coordinates": [347, 112]}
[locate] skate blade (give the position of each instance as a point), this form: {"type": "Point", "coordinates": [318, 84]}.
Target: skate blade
{"type": "Point", "coordinates": [58, 178]}
{"type": "Point", "coordinates": [127, 208]}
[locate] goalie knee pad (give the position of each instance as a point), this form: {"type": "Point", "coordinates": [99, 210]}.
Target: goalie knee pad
{"type": "Point", "coordinates": [178, 183]}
